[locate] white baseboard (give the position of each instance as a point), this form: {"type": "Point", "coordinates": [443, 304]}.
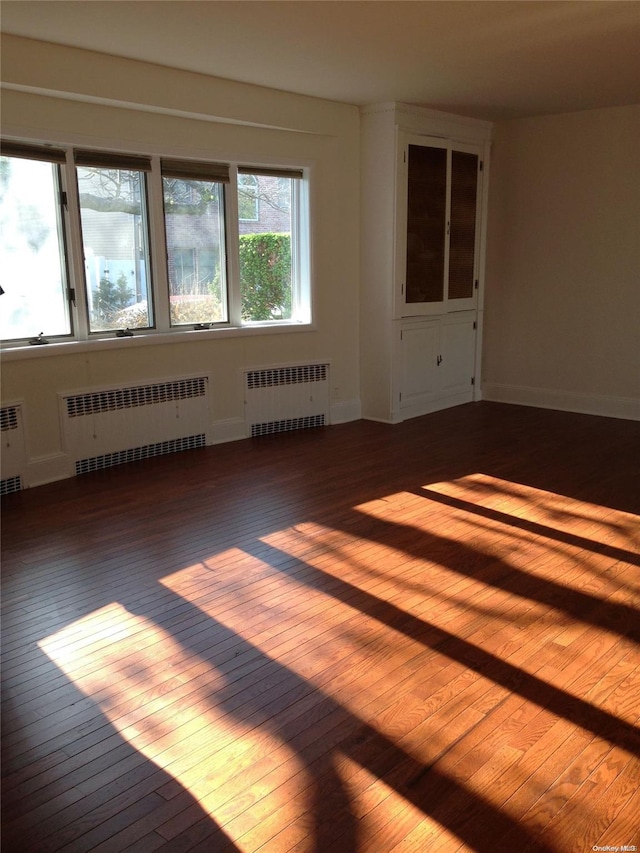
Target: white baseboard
{"type": "Point", "coordinates": [49, 469]}
{"type": "Point", "coordinates": [346, 411]}
{"type": "Point", "coordinates": [394, 419]}
{"type": "Point", "coordinates": [228, 429]}
{"type": "Point", "coordinates": [429, 405]}
{"type": "Point", "coordinates": [627, 408]}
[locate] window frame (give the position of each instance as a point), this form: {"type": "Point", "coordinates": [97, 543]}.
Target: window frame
{"type": "Point", "coordinates": [161, 329]}
{"type": "Point", "coordinates": [145, 224]}
{"type": "Point", "coordinates": [188, 170]}
{"type": "Point", "coordinates": [67, 293]}
{"type": "Point", "coordinates": [302, 293]}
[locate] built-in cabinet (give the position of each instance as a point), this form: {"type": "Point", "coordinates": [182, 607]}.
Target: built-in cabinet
{"type": "Point", "coordinates": [424, 193]}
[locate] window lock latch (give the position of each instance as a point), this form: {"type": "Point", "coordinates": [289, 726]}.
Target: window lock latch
{"type": "Point", "coordinates": [39, 340]}
{"type": "Point", "coordinates": [124, 333]}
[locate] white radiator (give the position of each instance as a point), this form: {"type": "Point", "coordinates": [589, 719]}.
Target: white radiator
{"type": "Point", "coordinates": [279, 399]}
{"type": "Point", "coordinates": [123, 424]}
{"type": "Point", "coordinates": [13, 461]}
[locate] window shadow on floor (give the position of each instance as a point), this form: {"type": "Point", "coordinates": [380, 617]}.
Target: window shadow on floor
{"type": "Point", "coordinates": [101, 802]}
{"type": "Point", "coordinates": [332, 818]}
{"type": "Point", "coordinates": [514, 679]}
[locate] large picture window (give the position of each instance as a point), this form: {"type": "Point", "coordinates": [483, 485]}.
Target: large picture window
{"type": "Point", "coordinates": [101, 244]}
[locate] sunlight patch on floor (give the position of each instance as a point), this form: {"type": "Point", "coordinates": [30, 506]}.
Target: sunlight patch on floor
{"type": "Point", "coordinates": [322, 641]}
{"type": "Point", "coordinates": [603, 525]}
{"type": "Point", "coordinates": [171, 705]}
{"type": "Point", "coordinates": [573, 542]}
{"type": "Point", "coordinates": [385, 818]}
{"type": "Point", "coordinates": [446, 550]}
{"type": "Point", "coordinates": [522, 526]}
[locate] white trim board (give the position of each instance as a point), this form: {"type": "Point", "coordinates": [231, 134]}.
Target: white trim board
{"type": "Point", "coordinates": [627, 408]}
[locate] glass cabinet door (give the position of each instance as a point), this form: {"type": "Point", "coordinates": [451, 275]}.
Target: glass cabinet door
{"type": "Point", "coordinates": [441, 228]}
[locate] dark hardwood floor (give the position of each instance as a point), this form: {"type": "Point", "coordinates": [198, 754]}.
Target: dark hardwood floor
{"type": "Point", "coordinates": [358, 638]}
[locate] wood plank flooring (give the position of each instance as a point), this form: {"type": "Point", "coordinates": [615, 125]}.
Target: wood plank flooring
{"type": "Point", "coordinates": [361, 638]}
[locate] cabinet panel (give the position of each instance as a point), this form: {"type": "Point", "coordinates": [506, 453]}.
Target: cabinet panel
{"type": "Point", "coordinates": [420, 346]}
{"type": "Point", "coordinates": [457, 345]}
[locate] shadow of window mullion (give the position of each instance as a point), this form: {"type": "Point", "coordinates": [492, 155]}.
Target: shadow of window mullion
{"type": "Point", "coordinates": [486, 664]}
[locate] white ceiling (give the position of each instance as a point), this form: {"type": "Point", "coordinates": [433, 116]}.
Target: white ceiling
{"type": "Point", "coordinates": [488, 59]}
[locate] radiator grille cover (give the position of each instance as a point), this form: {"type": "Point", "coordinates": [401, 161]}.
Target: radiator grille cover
{"type": "Point", "coordinates": [142, 395]}
{"type": "Point", "coordinates": [280, 399]}
{"type": "Point", "coordinates": [111, 426]}
{"type": "Point", "coordinates": [134, 454]}
{"type": "Point", "coordinates": [287, 425]}
{"type": "Point", "coordinates": [269, 377]}
{"type": "Point", "coordinates": [13, 456]}
{"type": "Point", "coordinates": [10, 485]}
{"type": "Point", "coordinates": [8, 418]}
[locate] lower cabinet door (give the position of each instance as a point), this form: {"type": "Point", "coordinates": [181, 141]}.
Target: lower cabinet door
{"type": "Point", "coordinates": [437, 363]}
{"type": "Point", "coordinates": [458, 351]}
{"type": "Point", "coordinates": [420, 374]}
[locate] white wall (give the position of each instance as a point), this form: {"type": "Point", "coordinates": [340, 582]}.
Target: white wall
{"type": "Point", "coordinates": [58, 94]}
{"type": "Point", "coordinates": [562, 309]}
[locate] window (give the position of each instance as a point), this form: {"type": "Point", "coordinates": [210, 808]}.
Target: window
{"type": "Point", "coordinates": [34, 281]}
{"type": "Point", "coordinates": [115, 239]}
{"type": "Point", "coordinates": [101, 244]}
{"type": "Point", "coordinates": [195, 237]}
{"type": "Point", "coordinates": [268, 247]}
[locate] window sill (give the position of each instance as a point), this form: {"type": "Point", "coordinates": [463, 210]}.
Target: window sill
{"type": "Point", "coordinates": [149, 338]}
